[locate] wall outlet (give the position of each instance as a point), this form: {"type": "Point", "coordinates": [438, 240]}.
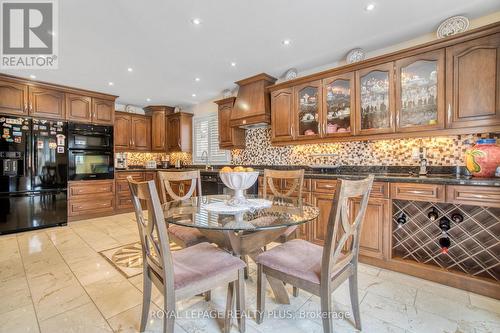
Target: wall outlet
{"type": "Point", "coordinates": [415, 153]}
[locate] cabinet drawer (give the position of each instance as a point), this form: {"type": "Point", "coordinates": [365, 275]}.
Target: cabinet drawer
{"type": "Point", "coordinates": [124, 202]}
{"type": "Point", "coordinates": [136, 175]}
{"type": "Point", "coordinates": [88, 188]}
{"type": "Point", "coordinates": [96, 205]}
{"type": "Point", "coordinates": [324, 185]}
{"type": "Point", "coordinates": [380, 190]}
{"type": "Point", "coordinates": [418, 192]}
{"type": "Point", "coordinates": [122, 187]}
{"type": "Point", "coordinates": [473, 195]}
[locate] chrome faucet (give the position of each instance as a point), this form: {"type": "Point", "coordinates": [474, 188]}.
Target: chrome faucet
{"type": "Point", "coordinates": [204, 156]}
{"type": "Point", "coordinates": [423, 162]}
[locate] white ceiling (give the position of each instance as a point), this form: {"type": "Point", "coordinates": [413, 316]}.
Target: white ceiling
{"type": "Point", "coordinates": [100, 39]}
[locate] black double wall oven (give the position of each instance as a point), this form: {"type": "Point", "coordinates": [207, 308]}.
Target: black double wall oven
{"type": "Point", "coordinates": [90, 152]}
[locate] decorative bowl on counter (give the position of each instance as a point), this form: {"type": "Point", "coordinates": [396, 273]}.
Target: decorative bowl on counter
{"type": "Point", "coordinates": [238, 181]}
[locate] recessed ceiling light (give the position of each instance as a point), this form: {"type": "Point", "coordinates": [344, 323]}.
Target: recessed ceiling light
{"type": "Point", "coordinates": [111, 84]}
{"type": "Point", "coordinates": [196, 21]}
{"type": "Point", "coordinates": [32, 76]}
{"type": "Point", "coordinates": [370, 7]}
{"type": "Point", "coordinates": [148, 99]}
{"type": "Point", "coordinates": [233, 64]}
{"type": "Point", "coordinates": [197, 79]}
{"type": "Point", "coordinates": [130, 69]}
{"type": "Point", "coordinates": [193, 95]}
{"type": "Point", "coordinates": [286, 42]}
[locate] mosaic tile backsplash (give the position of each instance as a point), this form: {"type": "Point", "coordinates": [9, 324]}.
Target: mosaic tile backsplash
{"type": "Point", "coordinates": [141, 158]}
{"type": "Point", "coordinates": [441, 151]}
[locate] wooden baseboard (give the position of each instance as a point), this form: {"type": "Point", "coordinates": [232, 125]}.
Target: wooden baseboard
{"type": "Point", "coordinates": [458, 280]}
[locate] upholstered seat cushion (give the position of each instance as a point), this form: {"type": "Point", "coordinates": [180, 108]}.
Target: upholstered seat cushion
{"type": "Point", "coordinates": [202, 261]}
{"type": "Point", "coordinates": [300, 259]}
{"type": "Point", "coordinates": [189, 236]}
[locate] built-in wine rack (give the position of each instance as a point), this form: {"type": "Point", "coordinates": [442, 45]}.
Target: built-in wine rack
{"type": "Point", "coordinates": [474, 242]}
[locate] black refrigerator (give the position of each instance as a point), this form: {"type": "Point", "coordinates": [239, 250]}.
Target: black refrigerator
{"type": "Point", "coordinates": [33, 173]}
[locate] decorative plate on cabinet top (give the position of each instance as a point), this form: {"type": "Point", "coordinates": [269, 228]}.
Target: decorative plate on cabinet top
{"type": "Point", "coordinates": [291, 74]}
{"type": "Point", "coordinates": [452, 26]}
{"type": "Point", "coordinates": [355, 55]}
{"type": "Point", "coordinates": [226, 93]}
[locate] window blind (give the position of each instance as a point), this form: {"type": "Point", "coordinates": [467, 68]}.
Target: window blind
{"type": "Point", "coordinates": [206, 138]}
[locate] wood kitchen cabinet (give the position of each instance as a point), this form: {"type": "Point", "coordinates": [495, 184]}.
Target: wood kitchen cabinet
{"type": "Point", "coordinates": [179, 132]}
{"type": "Point", "coordinates": [122, 132]}
{"type": "Point", "coordinates": [23, 97]}
{"type": "Point", "coordinates": [420, 92]}
{"type": "Point", "coordinates": [46, 103]}
{"type": "Point", "coordinates": [473, 83]}
{"type": "Point", "coordinates": [375, 99]}
{"type": "Point", "coordinates": [86, 109]}
{"type": "Point", "coordinates": [103, 111]}
{"type": "Point", "coordinates": [132, 132]}
{"type": "Point", "coordinates": [307, 110]}
{"type": "Point", "coordinates": [324, 201]}
{"type": "Point", "coordinates": [79, 108]}
{"type": "Point", "coordinates": [375, 230]}
{"type": "Point", "coordinates": [159, 115]}
{"type": "Point", "coordinates": [141, 133]}
{"type": "Point", "coordinates": [282, 115]}
{"type": "Point", "coordinates": [88, 199]}
{"type": "Point", "coordinates": [229, 137]}
{"type": "Point", "coordinates": [338, 106]}
{"type": "Point", "coordinates": [13, 98]}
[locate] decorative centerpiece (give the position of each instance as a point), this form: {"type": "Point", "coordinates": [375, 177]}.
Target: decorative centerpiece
{"type": "Point", "coordinates": [452, 26]}
{"type": "Point", "coordinates": [238, 179]}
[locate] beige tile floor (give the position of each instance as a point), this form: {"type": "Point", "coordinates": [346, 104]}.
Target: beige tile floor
{"type": "Point", "coordinates": [54, 280]}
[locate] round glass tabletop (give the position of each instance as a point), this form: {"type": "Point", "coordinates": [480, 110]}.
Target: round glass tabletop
{"type": "Point", "coordinates": [211, 212]}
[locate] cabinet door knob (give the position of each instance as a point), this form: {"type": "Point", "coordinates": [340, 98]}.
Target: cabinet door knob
{"type": "Point", "coordinates": [449, 113]}
{"type": "Point", "coordinates": [26, 107]}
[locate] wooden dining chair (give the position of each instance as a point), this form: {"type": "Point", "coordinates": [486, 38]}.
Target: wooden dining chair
{"type": "Point", "coordinates": [320, 270]}
{"type": "Point", "coordinates": [182, 236]}
{"type": "Point", "coordinates": [297, 178]}
{"type": "Point", "coordinates": [183, 273]}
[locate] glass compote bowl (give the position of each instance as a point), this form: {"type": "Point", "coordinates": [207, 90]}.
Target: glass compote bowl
{"type": "Point", "coordinates": [239, 182]}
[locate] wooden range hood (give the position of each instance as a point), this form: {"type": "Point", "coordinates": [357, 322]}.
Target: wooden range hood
{"type": "Point", "coordinates": [252, 107]}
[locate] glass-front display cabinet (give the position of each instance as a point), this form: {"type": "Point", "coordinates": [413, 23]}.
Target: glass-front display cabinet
{"type": "Point", "coordinates": [420, 92]}
{"type": "Point", "coordinates": [338, 104]}
{"type": "Point", "coordinates": [375, 99]}
{"type": "Point", "coordinates": [307, 110]}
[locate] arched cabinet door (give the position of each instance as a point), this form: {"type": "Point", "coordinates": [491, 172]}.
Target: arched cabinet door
{"type": "Point", "coordinates": [282, 115]}
{"type": "Point", "coordinates": [420, 97]}
{"type": "Point", "coordinates": [307, 104]}
{"type": "Point", "coordinates": [375, 99]}
{"type": "Point", "coordinates": [473, 83]}
{"type": "Point", "coordinates": [338, 105]}
{"type": "Point", "coordinates": [13, 98]}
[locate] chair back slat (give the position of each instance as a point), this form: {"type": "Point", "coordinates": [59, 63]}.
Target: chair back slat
{"type": "Point", "coordinates": [153, 230]}
{"type": "Point", "coordinates": [342, 236]}
{"type": "Point", "coordinates": [166, 177]}
{"type": "Point", "coordinates": [296, 175]}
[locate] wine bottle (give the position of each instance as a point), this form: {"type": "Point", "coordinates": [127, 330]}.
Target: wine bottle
{"type": "Point", "coordinates": [457, 217]}
{"type": "Point", "coordinates": [401, 220]}
{"type": "Point", "coordinates": [444, 225]}
{"type": "Point", "coordinates": [445, 243]}
{"type": "Point", "coordinates": [432, 215]}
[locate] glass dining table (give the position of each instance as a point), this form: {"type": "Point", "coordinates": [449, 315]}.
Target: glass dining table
{"type": "Point", "coordinates": [244, 231]}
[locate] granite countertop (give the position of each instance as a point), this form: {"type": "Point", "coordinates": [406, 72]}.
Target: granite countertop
{"type": "Point", "coordinates": [436, 175]}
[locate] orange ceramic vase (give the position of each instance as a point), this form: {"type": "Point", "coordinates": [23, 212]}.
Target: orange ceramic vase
{"type": "Point", "coordinates": [483, 158]}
